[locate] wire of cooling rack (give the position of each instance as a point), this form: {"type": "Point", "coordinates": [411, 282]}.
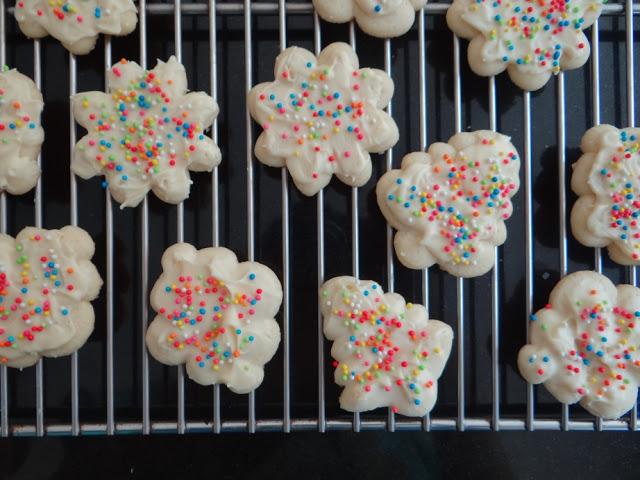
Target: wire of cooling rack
{"type": "Point", "coordinates": [461, 422]}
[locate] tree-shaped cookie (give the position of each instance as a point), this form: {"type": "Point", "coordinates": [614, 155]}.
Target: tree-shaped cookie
{"type": "Point", "coordinates": [583, 344]}
{"type": "Point", "coordinates": [606, 179]}
{"type": "Point", "coordinates": [146, 133]}
{"type": "Point", "coordinates": [21, 135]}
{"type": "Point", "coordinates": [46, 283]}
{"type": "Point", "coordinates": [322, 116]}
{"type": "Point", "coordinates": [531, 40]}
{"type": "Point", "coordinates": [450, 204]}
{"type": "Point", "coordinates": [76, 23]}
{"type": "Point", "coordinates": [380, 18]}
{"type": "Point", "coordinates": [216, 316]}
{"type": "Point", "coordinates": [387, 353]}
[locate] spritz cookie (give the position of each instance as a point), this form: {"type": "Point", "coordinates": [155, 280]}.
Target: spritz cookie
{"type": "Point", "coordinates": [322, 116]}
{"type": "Point", "coordinates": [531, 40]}
{"type": "Point", "coordinates": [584, 344]}
{"type": "Point", "coordinates": [146, 133]}
{"type": "Point", "coordinates": [76, 23]}
{"type": "Point", "coordinates": [606, 180]}
{"type": "Point", "coordinates": [21, 134]}
{"type": "Point", "coordinates": [387, 352]}
{"type": "Point", "coordinates": [46, 283]}
{"type": "Point", "coordinates": [216, 316]}
{"type": "Point", "coordinates": [450, 204]}
{"type": "Point", "coordinates": [380, 18]}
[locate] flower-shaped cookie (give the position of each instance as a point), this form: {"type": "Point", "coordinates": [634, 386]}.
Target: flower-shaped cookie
{"type": "Point", "coordinates": [531, 40]}
{"type": "Point", "coordinates": [146, 133]}
{"type": "Point", "coordinates": [584, 344]}
{"type": "Point", "coordinates": [20, 132]}
{"type": "Point", "coordinates": [76, 23]}
{"type": "Point", "coordinates": [323, 116]}
{"type": "Point", "coordinates": [46, 283]}
{"type": "Point", "coordinates": [388, 353]}
{"type": "Point", "coordinates": [216, 316]}
{"type": "Point", "coordinates": [606, 178]}
{"type": "Point", "coordinates": [450, 205]}
{"type": "Point", "coordinates": [380, 18]}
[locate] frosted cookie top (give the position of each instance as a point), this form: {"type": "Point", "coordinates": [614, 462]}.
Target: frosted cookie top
{"type": "Point", "coordinates": [606, 180]}
{"type": "Point", "coordinates": [323, 116]}
{"type": "Point", "coordinates": [76, 23]}
{"type": "Point", "coordinates": [388, 353]}
{"type": "Point", "coordinates": [380, 18]}
{"type": "Point", "coordinates": [216, 316]}
{"type": "Point", "coordinates": [46, 283]}
{"type": "Point", "coordinates": [450, 204]}
{"type": "Point", "coordinates": [531, 40]}
{"type": "Point", "coordinates": [21, 135]}
{"type": "Point", "coordinates": [146, 133]}
{"type": "Point", "coordinates": [584, 344]}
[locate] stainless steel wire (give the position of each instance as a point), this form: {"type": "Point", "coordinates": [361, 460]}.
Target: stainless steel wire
{"type": "Point", "coordinates": [144, 248]}
{"type": "Point", "coordinates": [631, 123]}
{"type": "Point", "coordinates": [248, 65]}
{"type": "Point", "coordinates": [109, 282]}
{"type": "Point", "coordinates": [495, 291]}
{"type": "Point", "coordinates": [355, 227]}
{"type": "Point", "coordinates": [177, 26]}
{"type": "Point", "coordinates": [73, 220]}
{"type": "Point", "coordinates": [422, 68]}
{"type": "Point", "coordinates": [391, 419]}
{"type": "Point", "coordinates": [562, 201]}
{"type": "Point", "coordinates": [286, 322]}
{"type": "Point", "coordinates": [457, 101]}
{"type": "Point", "coordinates": [529, 254]}
{"type": "Point", "coordinates": [37, 78]}
{"type": "Point", "coordinates": [322, 415]}
{"type": "Point", "coordinates": [215, 208]}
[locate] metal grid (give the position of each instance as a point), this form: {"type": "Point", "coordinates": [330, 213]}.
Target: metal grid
{"type": "Point", "coordinates": [322, 423]}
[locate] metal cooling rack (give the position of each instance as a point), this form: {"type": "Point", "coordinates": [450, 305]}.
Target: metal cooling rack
{"type": "Point", "coordinates": [525, 418]}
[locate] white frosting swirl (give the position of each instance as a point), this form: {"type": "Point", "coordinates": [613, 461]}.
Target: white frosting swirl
{"type": "Point", "coordinates": [323, 116]}
{"type": "Point", "coordinates": [21, 134]}
{"type": "Point", "coordinates": [46, 283]}
{"type": "Point", "coordinates": [76, 23]}
{"type": "Point", "coordinates": [216, 316]}
{"type": "Point", "coordinates": [584, 344]}
{"type": "Point", "coordinates": [388, 353]}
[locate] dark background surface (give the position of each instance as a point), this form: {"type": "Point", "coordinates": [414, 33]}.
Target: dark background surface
{"type": "Point", "coordinates": [420, 453]}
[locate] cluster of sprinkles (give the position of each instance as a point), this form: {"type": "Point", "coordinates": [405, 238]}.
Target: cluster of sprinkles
{"type": "Point", "coordinates": [620, 179]}
{"type": "Point", "coordinates": [13, 119]}
{"type": "Point", "coordinates": [307, 111]}
{"type": "Point", "coordinates": [139, 130]}
{"type": "Point", "coordinates": [377, 338]}
{"type": "Point", "coordinates": [63, 10]}
{"type": "Point", "coordinates": [26, 300]}
{"type": "Point", "coordinates": [534, 32]}
{"type": "Point", "coordinates": [203, 314]}
{"type": "Point", "coordinates": [604, 346]}
{"type": "Point", "coordinates": [459, 195]}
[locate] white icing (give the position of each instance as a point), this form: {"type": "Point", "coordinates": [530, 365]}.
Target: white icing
{"type": "Point", "coordinates": [584, 344]}
{"type": "Point", "coordinates": [216, 316]}
{"type": "Point", "coordinates": [380, 18]}
{"type": "Point", "coordinates": [450, 204]}
{"type": "Point", "coordinates": [531, 40]}
{"type": "Point", "coordinates": [388, 353]}
{"type": "Point", "coordinates": [607, 181]}
{"type": "Point", "coordinates": [46, 283]}
{"type": "Point", "coordinates": [323, 116]}
{"type": "Point", "coordinates": [76, 23]}
{"type": "Point", "coordinates": [21, 134]}
{"type": "Point", "coordinates": [146, 133]}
